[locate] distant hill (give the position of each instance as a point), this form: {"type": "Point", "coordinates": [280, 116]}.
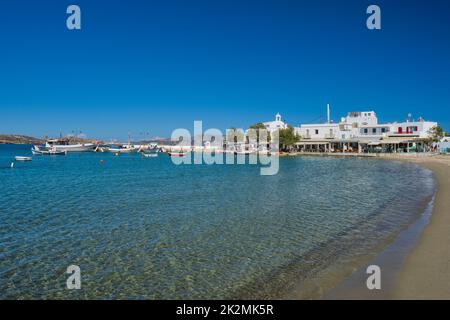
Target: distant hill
{"type": "Point", "coordinates": [19, 139]}
{"type": "Point", "coordinates": [22, 139]}
{"type": "Point", "coordinates": [164, 141]}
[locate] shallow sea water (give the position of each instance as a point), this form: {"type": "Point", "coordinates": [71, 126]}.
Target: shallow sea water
{"type": "Point", "coordinates": [149, 229]}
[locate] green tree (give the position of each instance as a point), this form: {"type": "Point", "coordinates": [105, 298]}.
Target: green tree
{"type": "Point", "coordinates": [287, 138]}
{"type": "Point", "coordinates": [260, 126]}
{"type": "Point", "coordinates": [436, 133]}
{"type": "Point", "coordinates": [234, 135]}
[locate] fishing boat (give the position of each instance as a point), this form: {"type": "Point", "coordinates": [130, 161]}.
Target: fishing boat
{"type": "Point", "coordinates": [121, 149]}
{"type": "Point", "coordinates": [176, 153]}
{"type": "Point", "coordinates": [64, 144]}
{"type": "Point", "coordinates": [36, 150]}
{"type": "Point", "coordinates": [124, 148]}
{"type": "Point", "coordinates": [244, 152]}
{"type": "Point", "coordinates": [149, 155]}
{"type": "Point", "coordinates": [244, 149]}
{"type": "Point", "coordinates": [20, 158]}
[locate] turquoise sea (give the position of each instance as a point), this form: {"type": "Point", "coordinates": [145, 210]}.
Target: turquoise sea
{"type": "Point", "coordinates": [149, 229]}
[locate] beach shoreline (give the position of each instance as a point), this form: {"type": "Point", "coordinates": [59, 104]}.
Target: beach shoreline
{"type": "Point", "coordinates": [425, 273]}
{"type": "Point", "coordinates": [423, 266]}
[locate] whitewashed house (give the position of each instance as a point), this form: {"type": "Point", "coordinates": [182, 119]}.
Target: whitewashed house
{"type": "Point", "coordinates": [275, 125]}
{"type": "Point", "coordinates": [360, 131]}
{"type": "Point", "coordinates": [418, 129]}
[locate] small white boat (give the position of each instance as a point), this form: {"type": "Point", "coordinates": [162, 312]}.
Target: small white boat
{"type": "Point", "coordinates": [64, 144]}
{"type": "Point", "coordinates": [122, 150]}
{"type": "Point", "coordinates": [20, 158]}
{"type": "Point", "coordinates": [127, 148]}
{"type": "Point", "coordinates": [150, 155]}
{"type": "Point", "coordinates": [36, 150]}
{"type": "Point", "coordinates": [244, 152]}
{"type": "Point", "coordinates": [176, 153]}
{"type": "Point", "coordinates": [244, 149]}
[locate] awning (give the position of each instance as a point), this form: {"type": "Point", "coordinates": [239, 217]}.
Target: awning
{"type": "Point", "coordinates": [396, 141]}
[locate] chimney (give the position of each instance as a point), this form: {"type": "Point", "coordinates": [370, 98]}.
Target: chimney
{"type": "Point", "coordinates": [328, 113]}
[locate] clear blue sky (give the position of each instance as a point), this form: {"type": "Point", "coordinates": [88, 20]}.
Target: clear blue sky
{"type": "Point", "coordinates": [153, 66]}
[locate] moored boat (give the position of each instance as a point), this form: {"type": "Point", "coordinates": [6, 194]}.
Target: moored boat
{"type": "Point", "coordinates": [65, 144]}
{"type": "Point", "coordinates": [176, 153]}
{"type": "Point", "coordinates": [36, 150]}
{"type": "Point", "coordinates": [244, 152]}
{"type": "Point", "coordinates": [20, 158]}
{"type": "Point", "coordinates": [121, 149]}
{"type": "Point", "coordinates": [149, 155]}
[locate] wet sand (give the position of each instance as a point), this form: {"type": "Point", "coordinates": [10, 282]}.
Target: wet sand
{"type": "Point", "coordinates": [425, 273]}
{"type": "Point", "coordinates": [418, 262]}
{"type": "Point", "coordinates": [421, 266]}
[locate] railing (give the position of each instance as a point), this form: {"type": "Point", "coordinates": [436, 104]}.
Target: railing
{"type": "Point", "coordinates": [404, 134]}
{"type": "Point", "coordinates": [330, 136]}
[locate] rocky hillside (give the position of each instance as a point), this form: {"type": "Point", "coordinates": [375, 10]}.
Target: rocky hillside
{"type": "Point", "coordinates": [18, 139]}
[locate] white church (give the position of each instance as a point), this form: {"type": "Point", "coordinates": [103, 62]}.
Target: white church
{"type": "Point", "coordinates": [275, 125]}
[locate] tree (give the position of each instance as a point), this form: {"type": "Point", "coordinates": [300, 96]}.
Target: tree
{"type": "Point", "coordinates": [436, 133]}
{"type": "Point", "coordinates": [260, 126]}
{"type": "Point", "coordinates": [287, 137]}
{"type": "Point", "coordinates": [235, 135]}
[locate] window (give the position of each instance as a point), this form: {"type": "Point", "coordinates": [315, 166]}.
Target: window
{"type": "Point", "coordinates": [374, 130]}
{"type": "Point", "coordinates": [317, 131]}
{"type": "Point", "coordinates": [366, 131]}
{"type": "Point", "coordinates": [383, 130]}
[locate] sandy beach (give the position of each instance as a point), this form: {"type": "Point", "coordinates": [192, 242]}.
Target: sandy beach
{"type": "Point", "coordinates": [421, 270]}
{"type": "Point", "coordinates": [425, 273]}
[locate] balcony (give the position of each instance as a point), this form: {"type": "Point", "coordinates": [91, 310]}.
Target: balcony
{"type": "Point", "coordinates": [330, 136]}
{"type": "Point", "coordinates": [403, 134]}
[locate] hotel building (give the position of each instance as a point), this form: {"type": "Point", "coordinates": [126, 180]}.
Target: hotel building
{"type": "Point", "coordinates": [361, 132]}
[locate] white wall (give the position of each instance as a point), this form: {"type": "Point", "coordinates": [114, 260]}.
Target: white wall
{"type": "Point", "coordinates": [361, 118]}
{"type": "Point", "coordinates": [318, 131]}
{"type": "Point", "coordinates": [422, 128]}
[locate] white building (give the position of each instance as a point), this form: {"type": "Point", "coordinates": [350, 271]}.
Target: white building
{"type": "Point", "coordinates": [275, 125]}
{"type": "Point", "coordinates": [444, 146]}
{"type": "Point", "coordinates": [419, 129]}
{"type": "Point", "coordinates": [365, 125]}
{"type": "Point", "coordinates": [360, 118]}
{"type": "Point", "coordinates": [361, 129]}
{"type": "Point", "coordinates": [347, 128]}
{"type": "Point", "coordinates": [320, 131]}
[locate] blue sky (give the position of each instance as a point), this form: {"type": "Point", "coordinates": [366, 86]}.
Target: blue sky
{"type": "Point", "coordinates": [153, 66]}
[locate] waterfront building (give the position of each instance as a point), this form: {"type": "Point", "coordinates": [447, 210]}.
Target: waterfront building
{"type": "Point", "coordinates": [444, 145]}
{"type": "Point", "coordinates": [278, 124]}
{"type": "Point", "coordinates": [360, 132]}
